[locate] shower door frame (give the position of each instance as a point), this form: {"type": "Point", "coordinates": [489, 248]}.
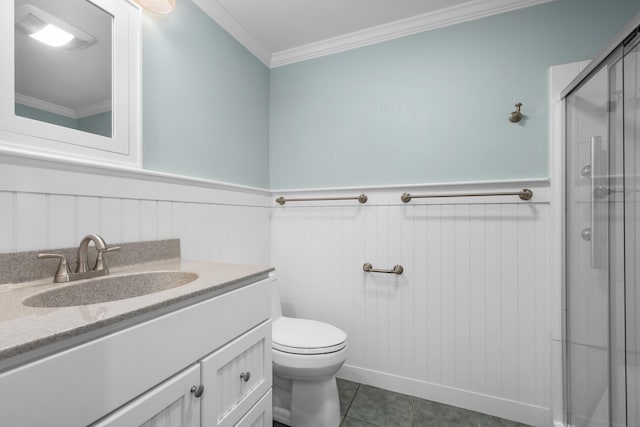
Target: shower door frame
{"type": "Point", "coordinates": [604, 268]}
{"type": "Point", "coordinates": [560, 76]}
{"type": "Point", "coordinates": [573, 74]}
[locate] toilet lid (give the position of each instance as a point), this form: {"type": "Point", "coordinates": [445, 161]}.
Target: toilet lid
{"type": "Point", "coordinates": [304, 336]}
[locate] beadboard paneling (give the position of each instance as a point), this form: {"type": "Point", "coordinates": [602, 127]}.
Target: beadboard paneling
{"type": "Point", "coordinates": [469, 314]}
{"type": "Point", "coordinates": [466, 324]}
{"type": "Point", "coordinates": [207, 231]}
{"type": "Point", "coordinates": [40, 208]}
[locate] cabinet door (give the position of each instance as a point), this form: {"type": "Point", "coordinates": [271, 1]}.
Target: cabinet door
{"type": "Point", "coordinates": [260, 415]}
{"type": "Point", "coordinates": [171, 404]}
{"type": "Point", "coordinates": [236, 377]}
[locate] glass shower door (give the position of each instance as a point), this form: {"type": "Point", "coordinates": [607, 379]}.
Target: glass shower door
{"type": "Point", "coordinates": [632, 225]}
{"type": "Point", "coordinates": [594, 287]}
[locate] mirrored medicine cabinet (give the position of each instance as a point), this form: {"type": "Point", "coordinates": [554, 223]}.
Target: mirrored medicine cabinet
{"type": "Point", "coordinates": [69, 79]}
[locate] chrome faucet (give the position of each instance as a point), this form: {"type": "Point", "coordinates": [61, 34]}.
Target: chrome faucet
{"type": "Point", "coordinates": [64, 274]}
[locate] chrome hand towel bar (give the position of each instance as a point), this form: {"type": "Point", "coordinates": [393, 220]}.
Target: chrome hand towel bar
{"type": "Point", "coordinates": [368, 268]}
{"type": "Point", "coordinates": [362, 198]}
{"type": "Point", "coordinates": [524, 194]}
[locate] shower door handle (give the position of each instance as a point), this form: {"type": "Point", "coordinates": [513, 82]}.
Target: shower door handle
{"type": "Point", "coordinates": [597, 206]}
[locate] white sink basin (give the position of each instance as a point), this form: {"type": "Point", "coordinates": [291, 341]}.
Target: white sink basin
{"type": "Point", "coordinates": [110, 288]}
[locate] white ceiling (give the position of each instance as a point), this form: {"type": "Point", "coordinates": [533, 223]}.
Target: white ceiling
{"type": "Point", "coordinates": [285, 24]}
{"type": "Point", "coordinates": [279, 32]}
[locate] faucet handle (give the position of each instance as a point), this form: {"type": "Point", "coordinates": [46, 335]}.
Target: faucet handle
{"type": "Point", "coordinates": [100, 264]}
{"type": "Point", "coordinates": [63, 273]}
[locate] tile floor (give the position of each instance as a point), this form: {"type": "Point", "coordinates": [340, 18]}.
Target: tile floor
{"type": "Point", "coordinates": [366, 406]}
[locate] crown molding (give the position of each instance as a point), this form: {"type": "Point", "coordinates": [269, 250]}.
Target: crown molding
{"type": "Point", "coordinates": [92, 110]}
{"type": "Point", "coordinates": [465, 12]}
{"type": "Point", "coordinates": [89, 110]}
{"type": "Point", "coordinates": [472, 10]}
{"type": "Point", "coordinates": [220, 15]}
{"type": "Point", "coordinates": [46, 106]}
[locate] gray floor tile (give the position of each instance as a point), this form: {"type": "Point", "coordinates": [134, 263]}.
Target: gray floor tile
{"type": "Point", "coordinates": [347, 391]}
{"type": "Point", "coordinates": [352, 422]}
{"type": "Point", "coordinates": [489, 421]}
{"type": "Point", "coordinates": [427, 413]}
{"type": "Point", "coordinates": [381, 407]}
{"type": "Point", "coordinates": [482, 420]}
{"type": "Point", "coordinates": [367, 406]}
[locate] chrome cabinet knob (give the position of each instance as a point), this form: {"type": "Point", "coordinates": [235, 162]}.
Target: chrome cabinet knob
{"type": "Point", "coordinates": [197, 391]}
{"type": "Point", "coordinates": [245, 376]}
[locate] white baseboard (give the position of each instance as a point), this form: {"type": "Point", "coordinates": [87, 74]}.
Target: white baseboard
{"type": "Point", "coordinates": [491, 405]}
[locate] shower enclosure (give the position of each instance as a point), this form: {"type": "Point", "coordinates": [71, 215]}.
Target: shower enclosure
{"type": "Point", "coordinates": [602, 241]}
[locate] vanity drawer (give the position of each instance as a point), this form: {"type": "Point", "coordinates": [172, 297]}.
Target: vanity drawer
{"type": "Point", "coordinates": [261, 415]}
{"type": "Point", "coordinates": [170, 404]}
{"type": "Point", "coordinates": [236, 377]}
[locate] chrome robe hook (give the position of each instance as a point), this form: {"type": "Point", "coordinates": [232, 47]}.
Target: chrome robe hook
{"type": "Point", "coordinates": [516, 116]}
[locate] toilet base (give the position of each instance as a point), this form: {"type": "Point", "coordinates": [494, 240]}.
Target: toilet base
{"type": "Point", "coordinates": [306, 403]}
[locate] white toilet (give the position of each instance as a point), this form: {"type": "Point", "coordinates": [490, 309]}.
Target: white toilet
{"type": "Point", "coordinates": [306, 356]}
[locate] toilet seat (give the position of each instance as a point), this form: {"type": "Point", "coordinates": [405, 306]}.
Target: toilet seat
{"type": "Point", "coordinates": [305, 336]}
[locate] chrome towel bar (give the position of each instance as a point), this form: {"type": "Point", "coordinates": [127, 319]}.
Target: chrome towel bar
{"type": "Point", "coordinates": [524, 194]}
{"type": "Point", "coordinates": [368, 268]}
{"type": "Point", "coordinates": [362, 198]}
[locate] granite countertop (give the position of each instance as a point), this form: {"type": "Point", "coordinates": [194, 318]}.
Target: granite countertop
{"type": "Point", "coordinates": [25, 329]}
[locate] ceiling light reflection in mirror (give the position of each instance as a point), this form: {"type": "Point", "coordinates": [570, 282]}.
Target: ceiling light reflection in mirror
{"type": "Point", "coordinates": [63, 64]}
{"type": "Point", "coordinates": [52, 35]}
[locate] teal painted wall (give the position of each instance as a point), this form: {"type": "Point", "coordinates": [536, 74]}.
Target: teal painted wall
{"type": "Point", "coordinates": [100, 124]}
{"type": "Point", "coordinates": [45, 116]}
{"type": "Point", "coordinates": [433, 107]}
{"type": "Point", "coordinates": [205, 100]}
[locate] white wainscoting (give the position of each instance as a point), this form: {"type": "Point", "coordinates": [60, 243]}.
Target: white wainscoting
{"type": "Point", "coordinates": [45, 205]}
{"type": "Point", "coordinates": [467, 323]}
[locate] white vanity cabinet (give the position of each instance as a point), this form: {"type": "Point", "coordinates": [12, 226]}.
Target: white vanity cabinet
{"type": "Point", "coordinates": [236, 377]}
{"type": "Point", "coordinates": [261, 415]}
{"type": "Point", "coordinates": [171, 404]}
{"type": "Point", "coordinates": [145, 373]}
